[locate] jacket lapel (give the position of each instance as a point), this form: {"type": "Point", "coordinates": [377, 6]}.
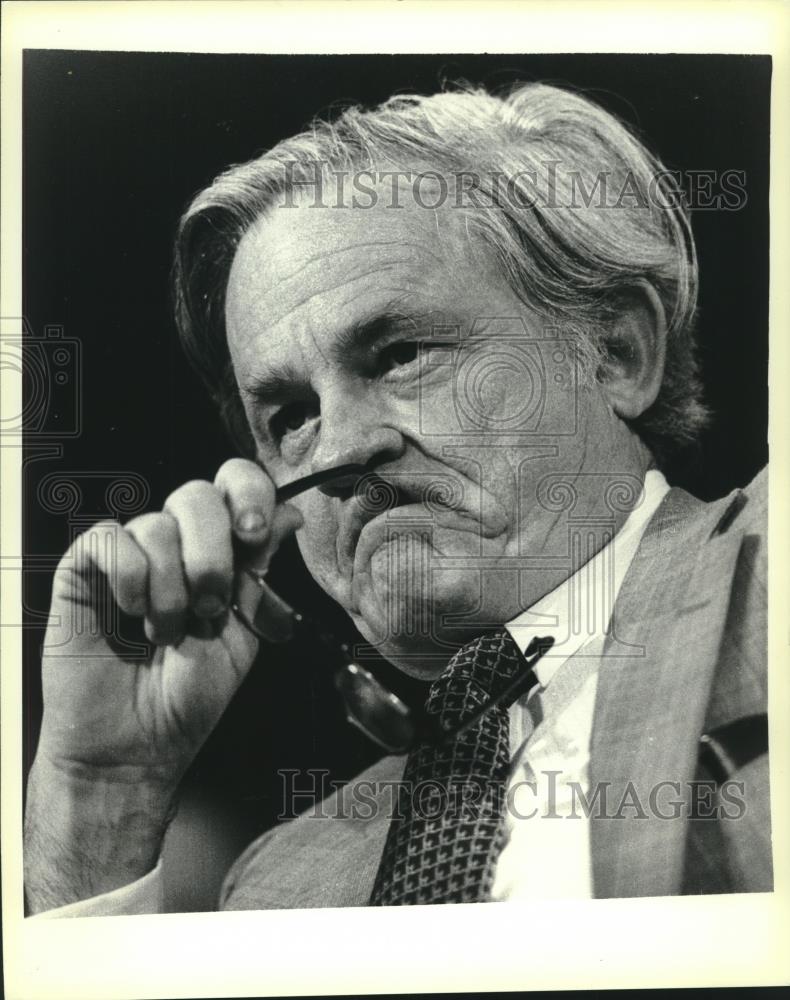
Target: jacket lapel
{"type": "Point", "coordinates": [653, 690]}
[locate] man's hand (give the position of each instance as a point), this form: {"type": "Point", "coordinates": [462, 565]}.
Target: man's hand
{"type": "Point", "coordinates": [117, 735]}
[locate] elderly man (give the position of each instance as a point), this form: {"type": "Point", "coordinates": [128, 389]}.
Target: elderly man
{"type": "Point", "coordinates": [481, 308]}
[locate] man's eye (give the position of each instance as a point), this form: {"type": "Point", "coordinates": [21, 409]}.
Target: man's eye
{"type": "Point", "coordinates": [290, 418]}
{"type": "Point", "coordinates": [400, 354]}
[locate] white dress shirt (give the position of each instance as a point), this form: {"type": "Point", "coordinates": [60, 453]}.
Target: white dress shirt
{"type": "Point", "coordinates": [547, 853]}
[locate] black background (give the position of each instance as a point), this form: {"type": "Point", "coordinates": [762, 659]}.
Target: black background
{"type": "Point", "coordinates": [115, 145]}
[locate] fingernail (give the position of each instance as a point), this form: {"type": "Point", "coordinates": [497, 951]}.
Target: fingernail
{"type": "Point", "coordinates": [250, 520]}
{"type": "Point", "coordinates": [209, 606]}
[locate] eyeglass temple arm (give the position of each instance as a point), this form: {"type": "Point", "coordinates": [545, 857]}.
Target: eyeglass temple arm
{"type": "Point", "coordinates": [283, 494]}
{"type": "Point", "coordinates": [297, 486]}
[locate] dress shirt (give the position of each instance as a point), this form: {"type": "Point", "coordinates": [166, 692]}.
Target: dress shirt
{"type": "Point", "coordinates": [550, 731]}
{"type": "Point", "coordinates": [547, 851]}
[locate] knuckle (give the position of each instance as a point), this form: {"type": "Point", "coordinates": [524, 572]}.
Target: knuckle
{"type": "Point", "coordinates": [240, 476]}
{"type": "Point", "coordinates": [131, 568]}
{"type": "Point", "coordinates": [96, 533]}
{"type": "Point", "coordinates": [230, 469]}
{"type": "Point", "coordinates": [154, 529]}
{"type": "Point", "coordinates": [190, 494]}
{"type": "Point", "coordinates": [131, 592]}
{"type": "Point", "coordinates": [107, 526]}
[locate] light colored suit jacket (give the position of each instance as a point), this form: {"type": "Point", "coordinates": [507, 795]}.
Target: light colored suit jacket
{"type": "Point", "coordinates": [681, 698]}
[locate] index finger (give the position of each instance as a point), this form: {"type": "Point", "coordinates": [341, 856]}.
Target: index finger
{"type": "Point", "coordinates": [249, 494]}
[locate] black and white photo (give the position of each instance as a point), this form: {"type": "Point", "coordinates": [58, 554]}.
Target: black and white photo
{"type": "Point", "coordinates": [395, 476]}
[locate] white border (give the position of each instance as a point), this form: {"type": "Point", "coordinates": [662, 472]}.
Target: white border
{"type": "Point", "coordinates": [707, 941]}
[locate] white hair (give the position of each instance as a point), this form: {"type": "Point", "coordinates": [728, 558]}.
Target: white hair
{"type": "Point", "coordinates": [586, 215]}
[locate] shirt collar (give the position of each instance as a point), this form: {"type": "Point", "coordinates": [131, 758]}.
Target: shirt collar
{"type": "Point", "coordinates": [569, 613]}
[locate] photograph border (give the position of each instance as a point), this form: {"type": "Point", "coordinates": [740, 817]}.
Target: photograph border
{"type": "Point", "coordinates": [689, 941]}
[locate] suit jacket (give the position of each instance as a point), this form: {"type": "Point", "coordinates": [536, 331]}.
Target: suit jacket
{"type": "Point", "coordinates": [681, 714]}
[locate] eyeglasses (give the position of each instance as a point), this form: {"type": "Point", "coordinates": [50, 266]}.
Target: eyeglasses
{"type": "Point", "coordinates": [390, 723]}
{"type": "Point", "coordinates": [281, 495]}
{"type": "Point", "coordinates": [370, 706]}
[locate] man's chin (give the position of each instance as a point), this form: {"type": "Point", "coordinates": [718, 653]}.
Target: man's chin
{"type": "Point", "coordinates": [416, 629]}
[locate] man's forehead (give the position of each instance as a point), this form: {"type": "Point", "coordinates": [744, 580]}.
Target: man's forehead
{"type": "Point", "coordinates": [302, 260]}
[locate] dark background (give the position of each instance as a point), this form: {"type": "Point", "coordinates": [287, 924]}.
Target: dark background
{"type": "Point", "coordinates": [115, 145]}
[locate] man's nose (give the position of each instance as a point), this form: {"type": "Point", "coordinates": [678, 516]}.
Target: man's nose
{"type": "Point", "coordinates": [353, 434]}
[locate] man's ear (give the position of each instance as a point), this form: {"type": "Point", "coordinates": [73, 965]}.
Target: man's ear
{"type": "Point", "coordinates": [635, 344]}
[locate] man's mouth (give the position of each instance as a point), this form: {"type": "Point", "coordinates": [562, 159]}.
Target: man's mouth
{"type": "Point", "coordinates": [396, 501]}
{"type": "Point", "coordinates": [374, 496]}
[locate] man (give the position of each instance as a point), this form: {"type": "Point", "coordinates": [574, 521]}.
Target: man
{"type": "Point", "coordinates": [485, 307]}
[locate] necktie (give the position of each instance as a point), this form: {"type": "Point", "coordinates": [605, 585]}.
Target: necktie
{"type": "Point", "coordinates": [445, 837]}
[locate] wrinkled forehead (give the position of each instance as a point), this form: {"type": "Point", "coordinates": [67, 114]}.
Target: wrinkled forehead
{"type": "Point", "coordinates": [302, 263]}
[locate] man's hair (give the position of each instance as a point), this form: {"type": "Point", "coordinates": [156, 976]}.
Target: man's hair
{"type": "Point", "coordinates": [576, 210]}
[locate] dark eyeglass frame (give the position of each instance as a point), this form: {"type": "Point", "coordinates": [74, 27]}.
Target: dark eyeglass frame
{"type": "Point", "coordinates": [357, 685]}
{"type": "Point", "coordinates": [426, 728]}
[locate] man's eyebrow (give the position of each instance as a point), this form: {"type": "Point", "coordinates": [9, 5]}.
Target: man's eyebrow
{"type": "Point", "coordinates": [281, 380]}
{"type": "Point", "coordinates": [369, 331]}
{"type": "Point", "coordinates": [278, 381]}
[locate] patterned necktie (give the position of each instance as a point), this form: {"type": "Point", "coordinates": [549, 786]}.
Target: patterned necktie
{"type": "Point", "coordinates": [447, 833]}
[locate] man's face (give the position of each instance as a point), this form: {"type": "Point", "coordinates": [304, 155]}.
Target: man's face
{"type": "Point", "coordinates": [388, 335]}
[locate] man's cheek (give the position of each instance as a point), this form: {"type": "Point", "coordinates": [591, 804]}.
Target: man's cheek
{"type": "Point", "coordinates": [406, 574]}
{"type": "Point", "coordinates": [318, 551]}
{"type": "Point", "coordinates": [400, 565]}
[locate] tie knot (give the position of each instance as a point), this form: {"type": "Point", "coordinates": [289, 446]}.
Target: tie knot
{"type": "Point", "coordinates": [480, 669]}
